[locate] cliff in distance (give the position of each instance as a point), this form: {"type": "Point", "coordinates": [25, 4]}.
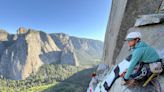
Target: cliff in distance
{"type": "Point", "coordinates": [23, 53]}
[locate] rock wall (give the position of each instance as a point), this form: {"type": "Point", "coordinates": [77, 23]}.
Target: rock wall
{"type": "Point", "coordinates": [145, 16]}
{"type": "Point", "coordinates": [84, 50]}
{"type": "Point", "coordinates": [23, 53]}
{"type": "Point", "coordinates": [152, 35]}
{"type": "Point", "coordinates": [151, 27]}
{"type": "Point", "coordinates": [21, 57]}
{"type": "Point", "coordinates": [122, 17]}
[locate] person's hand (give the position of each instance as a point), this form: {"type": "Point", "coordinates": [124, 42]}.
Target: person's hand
{"type": "Point", "coordinates": [123, 74]}
{"type": "Point", "coordinates": [131, 83]}
{"type": "Point", "coordinates": [123, 81]}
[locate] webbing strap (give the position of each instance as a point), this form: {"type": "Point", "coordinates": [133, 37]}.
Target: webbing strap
{"type": "Point", "coordinates": [149, 79]}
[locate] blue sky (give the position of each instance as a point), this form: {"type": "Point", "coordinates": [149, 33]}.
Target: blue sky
{"type": "Point", "coordinates": [81, 18]}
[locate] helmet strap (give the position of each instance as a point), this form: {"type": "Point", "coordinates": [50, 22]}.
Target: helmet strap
{"type": "Point", "coordinates": [137, 40]}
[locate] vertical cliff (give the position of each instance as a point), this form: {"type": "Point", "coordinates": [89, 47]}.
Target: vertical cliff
{"type": "Point", "coordinates": [145, 16]}
{"type": "Point", "coordinates": [123, 16]}
{"type": "Point", "coordinates": [23, 53]}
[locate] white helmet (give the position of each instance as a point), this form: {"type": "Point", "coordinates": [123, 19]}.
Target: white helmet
{"type": "Point", "coordinates": [133, 35]}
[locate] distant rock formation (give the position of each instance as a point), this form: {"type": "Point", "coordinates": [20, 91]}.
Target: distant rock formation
{"type": "Point", "coordinates": [84, 50]}
{"type": "Point", "coordinates": [23, 53]}
{"type": "Point", "coordinates": [69, 57]}
{"type": "Point", "coordinates": [22, 30]}
{"type": "Point", "coordinates": [3, 35]}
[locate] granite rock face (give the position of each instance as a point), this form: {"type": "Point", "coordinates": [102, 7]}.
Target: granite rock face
{"type": "Point", "coordinates": [85, 50]}
{"type": "Point", "coordinates": [21, 57]}
{"type": "Point", "coordinates": [23, 53]}
{"type": "Point", "coordinates": [118, 87]}
{"type": "Point", "coordinates": [69, 57]}
{"type": "Point", "coordinates": [22, 30]}
{"type": "Point", "coordinates": [152, 35]}
{"type": "Point", "coordinates": [123, 16]}
{"type": "Point", "coordinates": [150, 19]}
{"type": "Point", "coordinates": [133, 15]}
{"type": "Point", "coordinates": [3, 35]}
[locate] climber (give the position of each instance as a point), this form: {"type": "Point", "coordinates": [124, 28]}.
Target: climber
{"type": "Point", "coordinates": [93, 82]}
{"type": "Point", "coordinates": [143, 56]}
{"type": "Point", "coordinates": [94, 78]}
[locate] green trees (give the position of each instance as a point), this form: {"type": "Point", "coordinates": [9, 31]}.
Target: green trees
{"type": "Point", "coordinates": [65, 77]}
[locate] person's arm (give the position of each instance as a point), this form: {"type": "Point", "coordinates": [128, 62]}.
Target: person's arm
{"type": "Point", "coordinates": [136, 56]}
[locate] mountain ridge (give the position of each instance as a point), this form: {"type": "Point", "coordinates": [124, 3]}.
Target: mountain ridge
{"type": "Point", "coordinates": [24, 52]}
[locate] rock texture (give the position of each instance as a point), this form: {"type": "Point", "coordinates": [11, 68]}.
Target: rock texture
{"type": "Point", "coordinates": [149, 19]}
{"type": "Point", "coordinates": [69, 57]}
{"type": "Point", "coordinates": [23, 53]}
{"type": "Point", "coordinates": [22, 30]}
{"type": "Point", "coordinates": [133, 15]}
{"type": "Point", "coordinates": [3, 35]}
{"type": "Point", "coordinates": [85, 50]}
{"type": "Point", "coordinates": [118, 87]}
{"type": "Point", "coordinates": [152, 35]}
{"type": "Point", "coordinates": [22, 57]}
{"type": "Point", "coordinates": [123, 16]}
{"type": "Point", "coordinates": [161, 7]}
